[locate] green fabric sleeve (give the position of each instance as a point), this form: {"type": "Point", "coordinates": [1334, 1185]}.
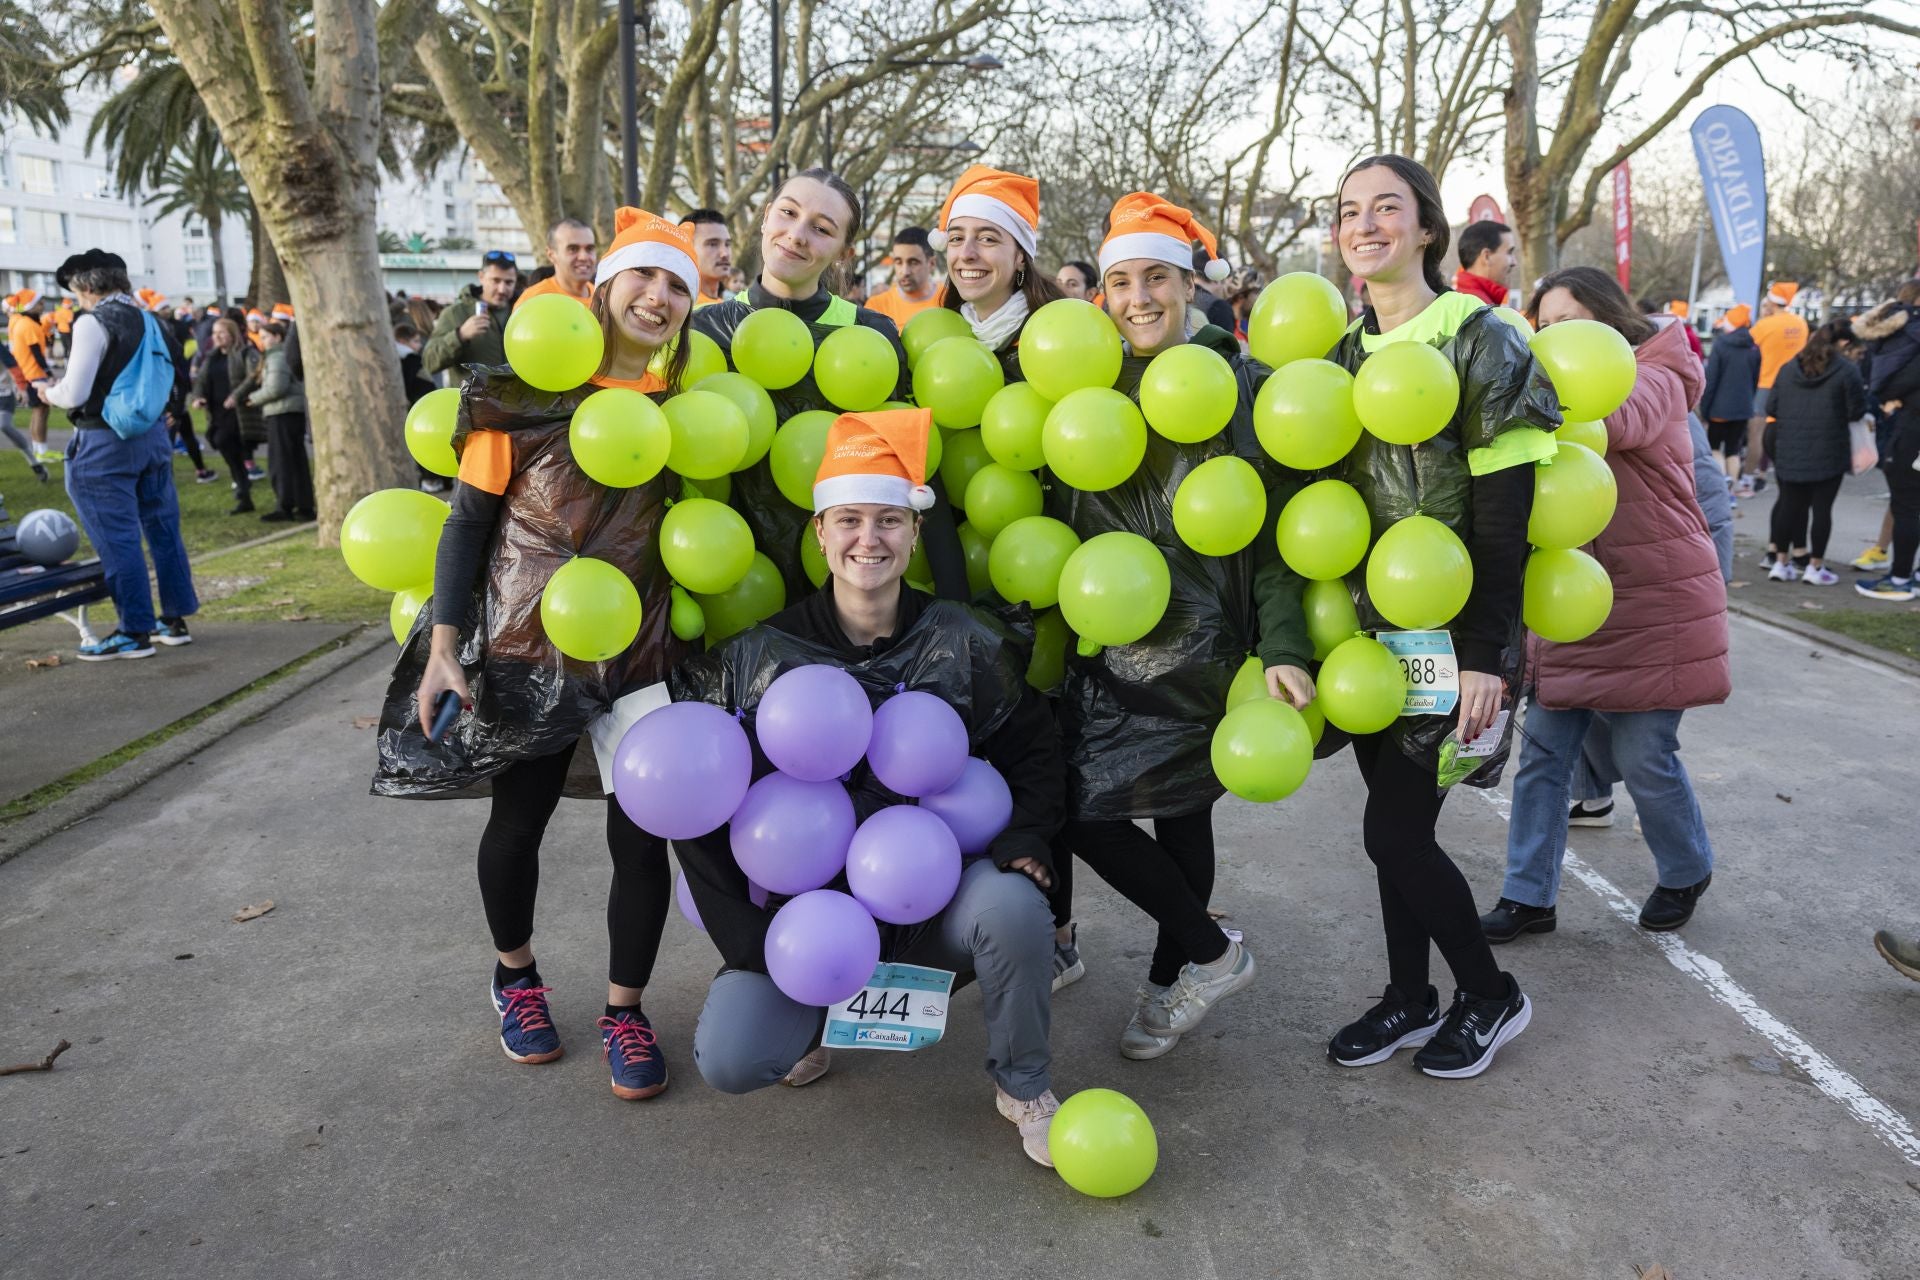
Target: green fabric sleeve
{"type": "Point", "coordinates": [1512, 448]}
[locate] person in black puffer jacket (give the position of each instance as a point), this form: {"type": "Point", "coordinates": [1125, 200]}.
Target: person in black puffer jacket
{"type": "Point", "coordinates": [1816, 395]}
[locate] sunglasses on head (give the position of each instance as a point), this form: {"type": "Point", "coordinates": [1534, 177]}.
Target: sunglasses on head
{"type": "Point", "coordinates": [499, 257]}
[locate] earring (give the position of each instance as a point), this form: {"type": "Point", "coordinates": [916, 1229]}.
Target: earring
{"type": "Point", "coordinates": [1020, 278]}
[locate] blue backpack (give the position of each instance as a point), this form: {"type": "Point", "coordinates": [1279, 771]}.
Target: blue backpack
{"type": "Point", "coordinates": [139, 395]}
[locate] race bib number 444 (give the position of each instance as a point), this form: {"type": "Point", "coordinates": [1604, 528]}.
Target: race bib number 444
{"type": "Point", "coordinates": [1433, 674]}
{"type": "Point", "coordinates": [902, 1007]}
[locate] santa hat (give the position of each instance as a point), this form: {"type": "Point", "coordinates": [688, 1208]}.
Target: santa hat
{"type": "Point", "coordinates": [879, 456]}
{"type": "Point", "coordinates": [215, 311]}
{"type": "Point", "coordinates": [1678, 308]}
{"type": "Point", "coordinates": [1009, 201]}
{"type": "Point", "coordinates": [23, 299]}
{"type": "Point", "coordinates": [1781, 292]}
{"type": "Point", "coordinates": [283, 311]}
{"type": "Point", "coordinates": [1737, 317]}
{"type": "Point", "coordinates": [254, 313]}
{"type": "Point", "coordinates": [642, 239]}
{"type": "Point", "coordinates": [1142, 225]}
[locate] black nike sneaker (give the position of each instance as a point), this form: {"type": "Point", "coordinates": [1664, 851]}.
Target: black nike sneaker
{"type": "Point", "coordinates": [1473, 1031]}
{"type": "Point", "coordinates": [1394, 1024]}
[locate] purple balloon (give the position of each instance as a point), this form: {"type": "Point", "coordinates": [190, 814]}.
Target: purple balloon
{"type": "Point", "coordinates": [682, 770]}
{"type": "Point", "coordinates": [683, 898]}
{"type": "Point", "coordinates": [790, 835]}
{"type": "Point", "coordinates": [919, 744]}
{"type": "Point", "coordinates": [814, 723]}
{"type": "Point", "coordinates": [977, 808]}
{"type": "Point", "coordinates": [756, 893]}
{"type": "Point", "coordinates": [822, 947]}
{"type": "Point", "coordinates": [904, 865]}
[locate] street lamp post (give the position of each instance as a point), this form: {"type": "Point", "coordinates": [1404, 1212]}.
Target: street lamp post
{"type": "Point", "coordinates": [629, 110]}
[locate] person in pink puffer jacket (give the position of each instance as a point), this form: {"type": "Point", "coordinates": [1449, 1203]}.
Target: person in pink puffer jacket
{"type": "Point", "coordinates": [1662, 649]}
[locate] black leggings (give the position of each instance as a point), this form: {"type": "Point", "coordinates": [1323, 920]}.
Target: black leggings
{"type": "Point", "coordinates": [1168, 875]}
{"type": "Point", "coordinates": [1423, 897]}
{"type": "Point", "coordinates": [1903, 491]}
{"type": "Point", "coordinates": [181, 426]}
{"type": "Point", "coordinates": [1797, 499]}
{"type": "Point", "coordinates": [224, 435]}
{"type": "Point", "coordinates": [524, 796]}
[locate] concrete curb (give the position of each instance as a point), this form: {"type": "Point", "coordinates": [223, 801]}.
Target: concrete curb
{"type": "Point", "coordinates": [90, 797]}
{"type": "Point", "coordinates": [260, 541]}
{"type": "Point", "coordinates": [1832, 639]}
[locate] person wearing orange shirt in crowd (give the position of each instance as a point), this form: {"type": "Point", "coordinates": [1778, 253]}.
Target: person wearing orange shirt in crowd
{"type": "Point", "coordinates": [712, 252]}
{"type": "Point", "coordinates": [1488, 256]}
{"type": "Point", "coordinates": [28, 346]}
{"type": "Point", "coordinates": [256, 325]}
{"type": "Point", "coordinates": [913, 289]}
{"type": "Point", "coordinates": [570, 248]}
{"type": "Point", "coordinates": [1779, 334]}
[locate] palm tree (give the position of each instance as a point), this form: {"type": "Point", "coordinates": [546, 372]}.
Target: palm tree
{"type": "Point", "coordinates": [28, 84]}
{"type": "Point", "coordinates": [200, 179]}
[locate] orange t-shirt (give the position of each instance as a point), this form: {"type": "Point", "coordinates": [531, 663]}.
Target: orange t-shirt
{"type": "Point", "coordinates": [23, 335]}
{"type": "Point", "coordinates": [486, 460]}
{"type": "Point", "coordinates": [1779, 337]}
{"type": "Point", "coordinates": [899, 308]}
{"type": "Point", "coordinates": [552, 285]}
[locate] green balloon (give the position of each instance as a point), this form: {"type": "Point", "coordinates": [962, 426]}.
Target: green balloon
{"type": "Point", "coordinates": [955, 378]}
{"type": "Point", "coordinates": [978, 553]}
{"type": "Point", "coordinates": [1114, 588]}
{"type": "Point", "coordinates": [1331, 618]}
{"type": "Point", "coordinates": [429, 430]}
{"type": "Point", "coordinates": [705, 545]}
{"type": "Point", "coordinates": [753, 402]}
{"type": "Point", "coordinates": [856, 368]}
{"type": "Point", "coordinates": [919, 573]}
{"type": "Point", "coordinates": [1011, 426]}
{"type": "Point", "coordinates": [405, 607]}
{"type": "Point", "coordinates": [759, 594]}
{"type": "Point", "coordinates": [1050, 641]}
{"type": "Point", "coordinates": [553, 343]}
{"type": "Point", "coordinates": [1574, 495]}
{"type": "Point", "coordinates": [1094, 438]}
{"type": "Point", "coordinates": [1515, 319]}
{"type": "Point", "coordinates": [389, 537]}
{"type": "Point", "coordinates": [620, 438]}
{"type": "Point", "coordinates": [687, 620]}
{"type": "Point", "coordinates": [798, 447]}
{"type": "Point", "coordinates": [1249, 682]}
{"type": "Point", "coordinates": [1361, 687]}
{"type": "Point", "coordinates": [1219, 508]}
{"type": "Point", "coordinates": [1566, 595]}
{"type": "Point", "coordinates": [1419, 574]}
{"type": "Point", "coordinates": [774, 347]}
{"type": "Point", "coordinates": [963, 454]}
{"type": "Point", "coordinates": [1591, 434]}
{"type": "Point", "coordinates": [590, 610]}
{"type": "Point", "coordinates": [1324, 529]}
{"type": "Point", "coordinates": [1304, 415]}
{"type": "Point", "coordinates": [997, 496]}
{"type": "Point", "coordinates": [1316, 720]}
{"type": "Point", "coordinates": [704, 358]}
{"type": "Point", "coordinates": [720, 488]}
{"type": "Point", "coordinates": [1591, 366]}
{"type": "Point", "coordinates": [1067, 345]}
{"type": "Point", "coordinates": [929, 327]}
{"type": "Point", "coordinates": [709, 435]}
{"type": "Point", "coordinates": [812, 559]}
{"type": "Point", "coordinates": [1262, 750]}
{"type": "Point", "coordinates": [1405, 392]}
{"type": "Point", "coordinates": [1102, 1143]}
{"type": "Point", "coordinates": [1188, 393]}
{"type": "Point", "coordinates": [1300, 316]}
{"type": "Point", "coordinates": [1026, 558]}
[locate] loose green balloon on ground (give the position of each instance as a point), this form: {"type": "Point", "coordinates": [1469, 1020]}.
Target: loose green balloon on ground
{"type": "Point", "coordinates": [704, 358]}
{"type": "Point", "coordinates": [856, 368]}
{"type": "Point", "coordinates": [591, 610]}
{"type": "Point", "coordinates": [1188, 393]}
{"type": "Point", "coordinates": [1114, 588]}
{"type": "Point", "coordinates": [1591, 434]}
{"type": "Point", "coordinates": [798, 447]}
{"type": "Point", "coordinates": [620, 438]}
{"type": "Point", "coordinates": [962, 455]}
{"type": "Point", "coordinates": [709, 435]}
{"type": "Point", "coordinates": [1304, 415]}
{"type": "Point", "coordinates": [1419, 574]}
{"type": "Point", "coordinates": [1262, 750]}
{"type": "Point", "coordinates": [705, 545]}
{"type": "Point", "coordinates": [759, 594]}
{"type": "Point", "coordinates": [1300, 316]}
{"type": "Point", "coordinates": [429, 430]}
{"type": "Point", "coordinates": [1219, 508]}
{"type": "Point", "coordinates": [754, 404]}
{"type": "Point", "coordinates": [1011, 426]}
{"type": "Point", "coordinates": [1324, 529]}
{"type": "Point", "coordinates": [1069, 344]}
{"type": "Point", "coordinates": [774, 347]}
{"type": "Point", "coordinates": [1331, 618]}
{"type": "Point", "coordinates": [389, 537]}
{"type": "Point", "coordinates": [1566, 595]}
{"type": "Point", "coordinates": [1102, 1144]}
{"type": "Point", "coordinates": [1591, 366]}
{"type": "Point", "coordinates": [1051, 637]}
{"type": "Point", "coordinates": [404, 608]}
{"type": "Point", "coordinates": [1405, 392]}
{"type": "Point", "coordinates": [955, 378]}
{"type": "Point", "coordinates": [553, 342]}
{"type": "Point", "coordinates": [1574, 496]}
{"type": "Point", "coordinates": [997, 496]}
{"type": "Point", "coordinates": [929, 327]}
{"type": "Point", "coordinates": [813, 561]}
{"type": "Point", "coordinates": [686, 618]}
{"type": "Point", "coordinates": [1094, 438]}
{"type": "Point", "coordinates": [1249, 682]}
{"type": "Point", "coordinates": [979, 557]}
{"type": "Point", "coordinates": [1026, 559]}
{"type": "Point", "coordinates": [1361, 686]}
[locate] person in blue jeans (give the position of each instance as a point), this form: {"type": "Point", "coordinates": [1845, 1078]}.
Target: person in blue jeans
{"type": "Point", "coordinates": [121, 487]}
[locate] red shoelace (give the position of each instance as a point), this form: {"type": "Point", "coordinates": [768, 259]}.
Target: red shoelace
{"type": "Point", "coordinates": [528, 1005]}
{"type": "Point", "coordinates": [634, 1039]}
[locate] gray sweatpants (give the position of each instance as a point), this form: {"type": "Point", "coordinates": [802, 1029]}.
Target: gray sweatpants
{"type": "Point", "coordinates": [998, 925]}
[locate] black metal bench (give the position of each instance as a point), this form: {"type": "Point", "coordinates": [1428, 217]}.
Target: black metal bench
{"type": "Point", "coordinates": [29, 592]}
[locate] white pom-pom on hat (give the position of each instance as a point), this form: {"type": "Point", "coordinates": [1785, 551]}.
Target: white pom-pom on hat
{"type": "Point", "coordinates": [1217, 269]}
{"type": "Point", "coordinates": [920, 497]}
{"type": "Point", "coordinates": [938, 239]}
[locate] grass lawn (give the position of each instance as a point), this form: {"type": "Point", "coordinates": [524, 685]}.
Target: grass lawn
{"type": "Point", "coordinates": [1894, 627]}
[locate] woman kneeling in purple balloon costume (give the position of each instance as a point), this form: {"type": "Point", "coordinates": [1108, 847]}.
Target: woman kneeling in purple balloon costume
{"type": "Point", "coordinates": [864, 697]}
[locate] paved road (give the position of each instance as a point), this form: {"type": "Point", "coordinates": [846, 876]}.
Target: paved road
{"type": "Point", "coordinates": [317, 1093]}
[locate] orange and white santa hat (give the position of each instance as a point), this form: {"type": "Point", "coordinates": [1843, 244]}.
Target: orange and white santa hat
{"type": "Point", "coordinates": [1010, 201]}
{"type": "Point", "coordinates": [214, 311]}
{"type": "Point", "coordinates": [1142, 225]}
{"type": "Point", "coordinates": [283, 311]}
{"type": "Point", "coordinates": [879, 456]}
{"type": "Point", "coordinates": [642, 239]}
{"type": "Point", "coordinates": [1738, 316]}
{"type": "Point", "coordinates": [255, 317]}
{"type": "Point", "coordinates": [21, 300]}
{"type": "Point", "coordinates": [1781, 292]}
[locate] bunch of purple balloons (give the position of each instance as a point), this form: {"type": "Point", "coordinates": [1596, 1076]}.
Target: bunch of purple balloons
{"type": "Point", "coordinates": [687, 768]}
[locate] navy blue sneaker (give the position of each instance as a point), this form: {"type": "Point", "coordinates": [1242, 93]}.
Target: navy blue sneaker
{"type": "Point", "coordinates": [117, 644]}
{"type": "Point", "coordinates": [526, 1028]}
{"type": "Point", "coordinates": [633, 1055]}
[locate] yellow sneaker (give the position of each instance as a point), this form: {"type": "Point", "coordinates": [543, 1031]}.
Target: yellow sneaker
{"type": "Point", "coordinates": [1873, 558]}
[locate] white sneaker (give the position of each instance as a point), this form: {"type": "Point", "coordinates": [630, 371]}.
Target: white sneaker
{"type": "Point", "coordinates": [1136, 1041]}
{"type": "Point", "coordinates": [1034, 1117]}
{"type": "Point", "coordinates": [1783, 571]}
{"type": "Point", "coordinates": [809, 1068]}
{"type": "Point", "coordinates": [1819, 576]}
{"type": "Point", "coordinates": [1196, 990]}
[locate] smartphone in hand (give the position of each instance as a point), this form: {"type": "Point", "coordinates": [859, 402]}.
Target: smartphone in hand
{"type": "Point", "coordinates": [446, 709]}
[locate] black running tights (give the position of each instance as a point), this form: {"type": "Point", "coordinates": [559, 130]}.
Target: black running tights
{"type": "Point", "coordinates": [1168, 875]}
{"type": "Point", "coordinates": [1903, 489]}
{"type": "Point", "coordinates": [1797, 501]}
{"type": "Point", "coordinates": [524, 796]}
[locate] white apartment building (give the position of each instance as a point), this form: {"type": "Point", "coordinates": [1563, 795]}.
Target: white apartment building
{"type": "Point", "coordinates": [458, 201]}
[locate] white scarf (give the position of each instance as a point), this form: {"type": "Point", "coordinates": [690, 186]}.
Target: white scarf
{"type": "Point", "coordinates": [996, 329]}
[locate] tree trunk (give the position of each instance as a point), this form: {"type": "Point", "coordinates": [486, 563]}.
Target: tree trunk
{"type": "Point", "coordinates": [219, 258]}
{"type": "Point", "coordinates": [267, 284]}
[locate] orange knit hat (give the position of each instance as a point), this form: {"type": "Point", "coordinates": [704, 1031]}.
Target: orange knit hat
{"type": "Point", "coordinates": [1142, 225]}
{"type": "Point", "coordinates": [283, 311]}
{"type": "Point", "coordinates": [1737, 317]}
{"type": "Point", "coordinates": [879, 456]}
{"type": "Point", "coordinates": [1010, 201]}
{"type": "Point", "coordinates": [642, 239]}
{"type": "Point", "coordinates": [1781, 292]}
